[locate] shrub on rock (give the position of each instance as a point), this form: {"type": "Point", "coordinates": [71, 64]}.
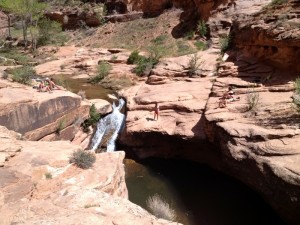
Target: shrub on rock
{"type": "Point", "coordinates": [83, 159]}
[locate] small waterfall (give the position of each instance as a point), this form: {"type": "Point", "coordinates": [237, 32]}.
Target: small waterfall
{"type": "Point", "coordinates": [109, 126]}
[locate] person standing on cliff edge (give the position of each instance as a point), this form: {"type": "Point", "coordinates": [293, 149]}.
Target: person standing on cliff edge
{"type": "Point", "coordinates": [156, 110]}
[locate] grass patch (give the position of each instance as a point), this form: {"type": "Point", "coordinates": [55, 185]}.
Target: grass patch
{"type": "Point", "coordinates": [12, 53]}
{"type": "Point", "coordinates": [160, 208]}
{"type": "Point", "coordinates": [183, 48]}
{"type": "Point", "coordinates": [83, 159]}
{"type": "Point", "coordinates": [200, 45]}
{"type": "Point", "coordinates": [22, 75]}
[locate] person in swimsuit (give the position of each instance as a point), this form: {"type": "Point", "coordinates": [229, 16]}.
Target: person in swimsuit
{"type": "Point", "coordinates": [156, 111]}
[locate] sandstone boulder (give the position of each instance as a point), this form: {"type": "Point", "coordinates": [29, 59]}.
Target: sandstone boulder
{"type": "Point", "coordinates": [37, 114]}
{"type": "Point", "coordinates": [38, 185]}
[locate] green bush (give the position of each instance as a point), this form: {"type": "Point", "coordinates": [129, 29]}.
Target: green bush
{"type": "Point", "coordinates": [83, 159]}
{"type": "Point", "coordinates": [201, 28]}
{"type": "Point", "coordinates": [189, 35]}
{"type": "Point", "coordinates": [278, 2]}
{"type": "Point", "coordinates": [50, 32]}
{"type": "Point", "coordinates": [23, 74]}
{"type": "Point", "coordinates": [252, 100]}
{"type": "Point", "coordinates": [103, 70]}
{"type": "Point", "coordinates": [160, 208]}
{"type": "Point", "coordinates": [297, 85]}
{"type": "Point", "coordinates": [194, 65]}
{"type": "Point", "coordinates": [93, 119]}
{"type": "Point", "coordinates": [224, 43]}
{"type": "Point", "coordinates": [157, 50]}
{"type": "Point", "coordinates": [296, 96]}
{"type": "Point", "coordinates": [201, 45]}
{"type": "Point", "coordinates": [48, 176]}
{"type": "Point", "coordinates": [143, 65]}
{"type": "Point", "coordinates": [134, 57]}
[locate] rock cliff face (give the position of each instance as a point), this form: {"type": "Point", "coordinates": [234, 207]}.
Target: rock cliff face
{"type": "Point", "coordinates": [192, 8]}
{"type": "Point", "coordinates": [38, 185]}
{"type": "Point", "coordinates": [192, 11]}
{"type": "Point", "coordinates": [36, 114]}
{"type": "Point", "coordinates": [272, 35]}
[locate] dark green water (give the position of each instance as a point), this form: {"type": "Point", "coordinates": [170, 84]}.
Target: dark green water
{"type": "Point", "coordinates": [199, 195]}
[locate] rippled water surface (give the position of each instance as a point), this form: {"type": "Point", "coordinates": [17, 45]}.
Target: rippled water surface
{"type": "Point", "coordinates": [200, 195]}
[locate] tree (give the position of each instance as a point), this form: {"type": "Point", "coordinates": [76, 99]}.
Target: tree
{"type": "Point", "coordinates": [28, 10]}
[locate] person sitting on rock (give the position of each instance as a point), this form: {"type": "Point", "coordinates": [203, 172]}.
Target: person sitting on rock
{"type": "Point", "coordinates": [156, 110]}
{"type": "Point", "coordinates": [222, 102]}
{"type": "Point", "coordinates": [44, 87]}
{"type": "Point", "coordinates": [53, 85]}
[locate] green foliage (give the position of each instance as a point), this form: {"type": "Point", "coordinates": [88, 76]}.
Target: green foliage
{"type": "Point", "coordinates": [48, 176]}
{"type": "Point", "coordinates": [83, 159]}
{"type": "Point", "coordinates": [224, 43]}
{"type": "Point", "coordinates": [134, 57]}
{"type": "Point", "coordinates": [23, 74]}
{"type": "Point", "coordinates": [297, 85]}
{"type": "Point", "coordinates": [201, 45]}
{"type": "Point", "coordinates": [183, 48]}
{"type": "Point", "coordinates": [103, 70]}
{"type": "Point", "coordinates": [61, 126]}
{"type": "Point", "coordinates": [93, 118]}
{"type": "Point", "coordinates": [252, 100]}
{"type": "Point", "coordinates": [12, 53]}
{"type": "Point", "coordinates": [201, 28]}
{"type": "Point", "coordinates": [189, 35]}
{"type": "Point", "coordinates": [194, 65]}
{"type": "Point", "coordinates": [143, 65]}
{"type": "Point", "coordinates": [296, 96]}
{"type": "Point", "coordinates": [50, 32]}
{"type": "Point", "coordinates": [277, 2]}
{"type": "Point", "coordinates": [25, 9]}
{"type": "Point", "coordinates": [158, 49]}
{"type": "Point", "coordinates": [160, 208]}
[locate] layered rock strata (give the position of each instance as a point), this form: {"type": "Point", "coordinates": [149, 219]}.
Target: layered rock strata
{"type": "Point", "coordinates": [272, 35]}
{"type": "Point", "coordinates": [38, 114]}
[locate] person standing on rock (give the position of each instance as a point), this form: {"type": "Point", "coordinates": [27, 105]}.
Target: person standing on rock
{"type": "Point", "coordinates": [156, 110]}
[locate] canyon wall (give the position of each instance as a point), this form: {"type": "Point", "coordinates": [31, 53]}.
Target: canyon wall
{"type": "Point", "coordinates": [255, 138]}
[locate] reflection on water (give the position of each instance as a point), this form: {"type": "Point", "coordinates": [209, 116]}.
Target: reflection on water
{"type": "Point", "coordinates": [91, 91]}
{"type": "Point", "coordinates": [200, 195]}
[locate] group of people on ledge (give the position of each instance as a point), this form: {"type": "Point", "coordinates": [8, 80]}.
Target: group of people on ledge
{"type": "Point", "coordinates": [228, 96]}
{"type": "Point", "coordinates": [47, 85]}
